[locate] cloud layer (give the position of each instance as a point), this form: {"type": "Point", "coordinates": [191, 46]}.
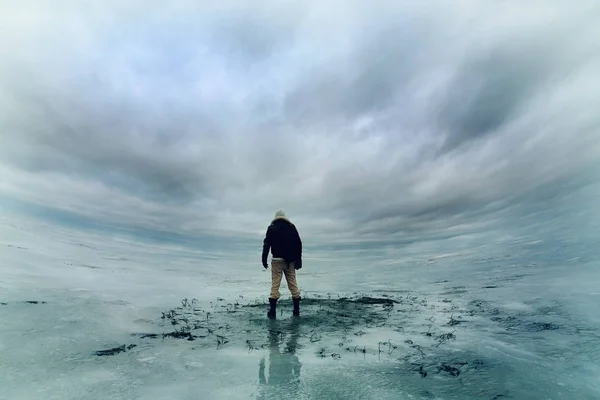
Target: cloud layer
{"type": "Point", "coordinates": [396, 120]}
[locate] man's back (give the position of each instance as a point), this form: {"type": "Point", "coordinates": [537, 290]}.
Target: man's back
{"type": "Point", "coordinates": [284, 240]}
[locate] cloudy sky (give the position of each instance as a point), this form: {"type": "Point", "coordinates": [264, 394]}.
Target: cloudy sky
{"type": "Point", "coordinates": [363, 120]}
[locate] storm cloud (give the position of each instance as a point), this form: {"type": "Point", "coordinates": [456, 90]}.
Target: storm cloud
{"type": "Point", "coordinates": [400, 120]}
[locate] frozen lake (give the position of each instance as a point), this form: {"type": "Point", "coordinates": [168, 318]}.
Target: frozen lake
{"type": "Point", "coordinates": [93, 316]}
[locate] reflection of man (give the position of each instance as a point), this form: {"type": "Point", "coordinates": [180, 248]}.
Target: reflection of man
{"type": "Point", "coordinates": [283, 381]}
{"type": "Point", "coordinates": [284, 242]}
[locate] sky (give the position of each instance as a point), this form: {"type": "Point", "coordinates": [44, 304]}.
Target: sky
{"type": "Point", "coordinates": [364, 121]}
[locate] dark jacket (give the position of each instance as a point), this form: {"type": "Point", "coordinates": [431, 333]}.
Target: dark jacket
{"type": "Point", "coordinates": [283, 240]}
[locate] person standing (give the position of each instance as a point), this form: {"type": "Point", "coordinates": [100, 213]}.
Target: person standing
{"type": "Point", "coordinates": [283, 241]}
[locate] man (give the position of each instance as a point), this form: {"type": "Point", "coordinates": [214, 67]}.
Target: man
{"type": "Point", "coordinates": [284, 242]}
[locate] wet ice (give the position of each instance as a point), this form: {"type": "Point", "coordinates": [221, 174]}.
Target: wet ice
{"type": "Point", "coordinates": [163, 322]}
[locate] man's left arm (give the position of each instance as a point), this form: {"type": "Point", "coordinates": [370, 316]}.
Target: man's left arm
{"type": "Point", "coordinates": [266, 248]}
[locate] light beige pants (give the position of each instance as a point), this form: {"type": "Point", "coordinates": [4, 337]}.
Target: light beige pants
{"type": "Point", "coordinates": [278, 269]}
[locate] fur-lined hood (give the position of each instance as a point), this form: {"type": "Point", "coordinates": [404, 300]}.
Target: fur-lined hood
{"type": "Point", "coordinates": [283, 218]}
{"type": "Point", "coordinates": [281, 215]}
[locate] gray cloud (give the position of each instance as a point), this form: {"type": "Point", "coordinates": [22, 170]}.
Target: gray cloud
{"type": "Point", "coordinates": [386, 122]}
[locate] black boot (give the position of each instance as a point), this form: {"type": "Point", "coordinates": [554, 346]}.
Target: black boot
{"type": "Point", "coordinates": [296, 311]}
{"type": "Point", "coordinates": [272, 313]}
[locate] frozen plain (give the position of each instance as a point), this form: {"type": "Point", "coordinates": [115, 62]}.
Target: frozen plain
{"type": "Point", "coordinates": [95, 316]}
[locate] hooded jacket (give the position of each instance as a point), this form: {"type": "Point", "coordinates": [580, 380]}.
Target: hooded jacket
{"type": "Point", "coordinates": [283, 240]}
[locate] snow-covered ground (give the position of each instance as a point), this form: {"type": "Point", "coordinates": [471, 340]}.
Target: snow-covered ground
{"type": "Point", "coordinates": [93, 316]}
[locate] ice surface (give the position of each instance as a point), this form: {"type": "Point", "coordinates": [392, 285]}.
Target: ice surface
{"type": "Point", "coordinates": [93, 316]}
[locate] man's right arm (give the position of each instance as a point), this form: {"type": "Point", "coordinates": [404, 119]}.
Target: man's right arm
{"type": "Point", "coordinates": [298, 248]}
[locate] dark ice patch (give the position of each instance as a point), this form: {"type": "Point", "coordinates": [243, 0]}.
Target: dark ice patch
{"type": "Point", "coordinates": [454, 292]}
{"type": "Point", "coordinates": [114, 350]}
{"type": "Point", "coordinates": [180, 335]}
{"type": "Point", "coordinates": [17, 247]}
{"type": "Point", "coordinates": [371, 300]}
{"type": "Point", "coordinates": [541, 326]}
{"type": "Point", "coordinates": [146, 335]}
{"type": "Point", "coordinates": [449, 369]}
